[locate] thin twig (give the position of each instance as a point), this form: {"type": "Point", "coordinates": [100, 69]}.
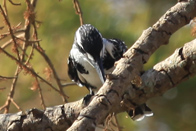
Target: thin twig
{"type": "Point", "coordinates": [34, 2]}
{"type": "Point", "coordinates": [10, 30]}
{"type": "Point", "coordinates": [18, 26]}
{"type": "Point", "coordinates": [32, 50]}
{"type": "Point", "coordinates": [14, 3]}
{"type": "Point", "coordinates": [6, 77]}
{"type": "Point", "coordinates": [40, 94]}
{"type": "Point", "coordinates": [78, 11]}
{"type": "Point", "coordinates": [4, 35]}
{"type": "Point", "coordinates": [2, 107]}
{"type": "Point", "coordinates": [12, 90]}
{"type": "Point", "coordinates": [16, 105]}
{"type": "Point", "coordinates": [27, 27]}
{"type": "Point", "coordinates": [5, 7]}
{"type": "Point", "coordinates": [29, 41]}
{"type": "Point", "coordinates": [30, 55]}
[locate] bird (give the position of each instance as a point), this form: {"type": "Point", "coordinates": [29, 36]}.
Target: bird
{"type": "Point", "coordinates": [85, 66]}
{"type": "Point", "coordinates": [92, 57]}
{"type": "Point", "coordinates": [87, 72]}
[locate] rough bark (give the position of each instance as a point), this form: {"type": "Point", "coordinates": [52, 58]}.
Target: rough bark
{"type": "Point", "coordinates": [163, 76]}
{"type": "Point", "coordinates": [124, 88]}
{"type": "Point", "coordinates": [57, 118]}
{"type": "Point", "coordinates": [127, 69]}
{"type": "Point", "coordinates": [180, 66]}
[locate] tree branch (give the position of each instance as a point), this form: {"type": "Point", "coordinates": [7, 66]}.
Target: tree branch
{"type": "Point", "coordinates": [118, 92]}
{"type": "Point", "coordinates": [128, 68]}
{"type": "Point", "coordinates": [180, 66]}
{"type": "Point", "coordinates": [155, 83]}
{"type": "Point", "coordinates": [56, 118]}
{"type": "Point", "coordinates": [78, 10]}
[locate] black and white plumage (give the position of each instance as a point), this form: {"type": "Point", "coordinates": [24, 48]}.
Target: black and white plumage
{"type": "Point", "coordinates": [91, 57]}
{"type": "Point", "coordinates": [140, 112]}
{"type": "Point", "coordinates": [113, 51]}
{"type": "Point", "coordinates": [84, 63]}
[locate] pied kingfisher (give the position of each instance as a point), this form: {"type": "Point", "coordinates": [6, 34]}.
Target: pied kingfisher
{"type": "Point", "coordinates": [93, 56]}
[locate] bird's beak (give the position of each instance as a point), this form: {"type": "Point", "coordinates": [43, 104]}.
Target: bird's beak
{"type": "Point", "coordinates": [98, 65]}
{"type": "Point", "coordinates": [103, 49]}
{"type": "Point", "coordinates": [100, 70]}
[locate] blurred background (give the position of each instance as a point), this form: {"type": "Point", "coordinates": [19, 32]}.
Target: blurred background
{"type": "Point", "coordinates": [123, 19]}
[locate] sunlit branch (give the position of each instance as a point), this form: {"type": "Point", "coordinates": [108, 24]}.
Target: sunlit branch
{"type": "Point", "coordinates": [13, 3]}
{"type": "Point", "coordinates": [10, 30]}
{"type": "Point", "coordinates": [78, 11]}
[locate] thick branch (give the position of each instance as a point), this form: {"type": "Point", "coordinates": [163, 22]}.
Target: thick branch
{"type": "Point", "coordinates": [127, 69]}
{"type": "Point", "coordinates": [56, 118]}
{"type": "Point", "coordinates": [126, 73]}
{"type": "Point", "coordinates": [156, 81]}
{"type": "Point", "coordinates": [165, 75]}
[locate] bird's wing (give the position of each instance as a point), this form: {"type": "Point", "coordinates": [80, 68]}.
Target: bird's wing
{"type": "Point", "coordinates": [119, 48]}
{"type": "Point", "coordinates": [72, 71]}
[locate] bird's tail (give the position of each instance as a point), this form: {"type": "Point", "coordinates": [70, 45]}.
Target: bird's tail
{"type": "Point", "coordinates": [140, 112]}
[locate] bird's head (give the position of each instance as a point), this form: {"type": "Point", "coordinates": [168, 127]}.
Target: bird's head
{"type": "Point", "coordinates": [90, 40]}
